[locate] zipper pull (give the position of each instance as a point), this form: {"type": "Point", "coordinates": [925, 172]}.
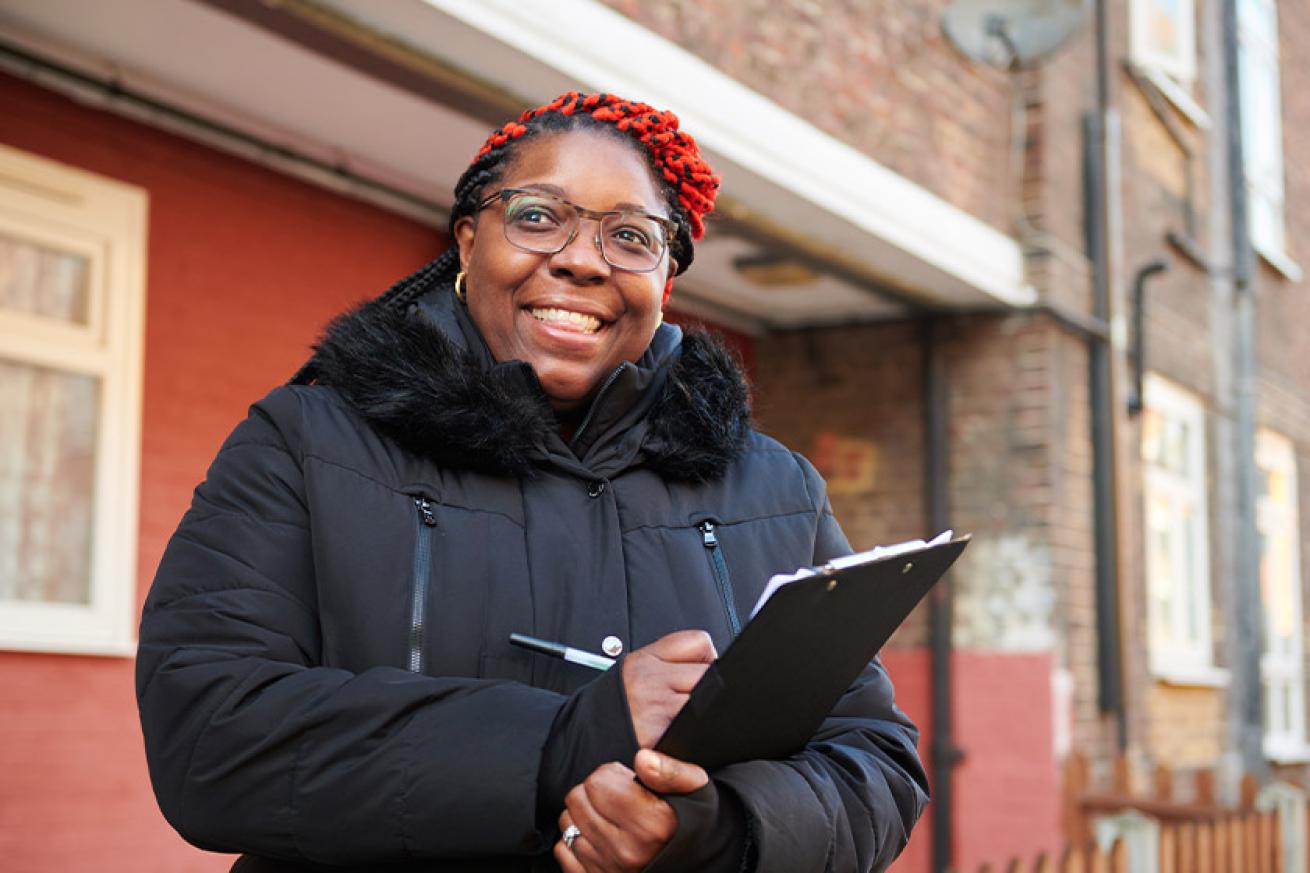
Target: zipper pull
{"type": "Point", "coordinates": [424, 507]}
{"type": "Point", "coordinates": [707, 534]}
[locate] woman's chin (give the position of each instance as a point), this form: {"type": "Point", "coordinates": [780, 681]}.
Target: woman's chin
{"type": "Point", "coordinates": [567, 387]}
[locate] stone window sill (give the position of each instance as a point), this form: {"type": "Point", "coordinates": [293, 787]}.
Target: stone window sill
{"type": "Point", "coordinates": [1194, 676]}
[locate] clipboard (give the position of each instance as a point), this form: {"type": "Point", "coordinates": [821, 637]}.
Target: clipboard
{"type": "Point", "coordinates": [767, 695]}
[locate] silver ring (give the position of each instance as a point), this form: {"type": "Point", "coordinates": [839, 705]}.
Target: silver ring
{"type": "Point", "coordinates": [571, 833]}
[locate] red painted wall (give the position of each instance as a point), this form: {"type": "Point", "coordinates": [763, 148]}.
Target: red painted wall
{"type": "Point", "coordinates": [1007, 790]}
{"type": "Point", "coordinates": [244, 265]}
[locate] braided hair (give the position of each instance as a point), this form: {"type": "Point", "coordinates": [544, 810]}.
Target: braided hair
{"type": "Point", "coordinates": [686, 182]}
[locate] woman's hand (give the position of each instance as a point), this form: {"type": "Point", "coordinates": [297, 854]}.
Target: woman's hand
{"type": "Point", "coordinates": [659, 677]}
{"type": "Point", "coordinates": [623, 823]}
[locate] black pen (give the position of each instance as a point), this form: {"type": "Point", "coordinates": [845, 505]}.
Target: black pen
{"type": "Point", "coordinates": [559, 650]}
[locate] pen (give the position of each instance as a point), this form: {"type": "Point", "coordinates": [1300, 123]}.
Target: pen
{"type": "Point", "coordinates": [559, 650]}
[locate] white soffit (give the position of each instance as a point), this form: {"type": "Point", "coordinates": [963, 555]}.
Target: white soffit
{"type": "Point", "coordinates": [792, 172]}
{"type": "Point", "coordinates": [221, 68]}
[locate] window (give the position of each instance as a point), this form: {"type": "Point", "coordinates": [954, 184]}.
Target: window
{"type": "Point", "coordinates": [1262, 129]}
{"type": "Point", "coordinates": [1177, 558]}
{"type": "Point", "coordinates": [1164, 37]}
{"type": "Point", "coordinates": [1281, 668]}
{"type": "Point", "coordinates": [71, 317]}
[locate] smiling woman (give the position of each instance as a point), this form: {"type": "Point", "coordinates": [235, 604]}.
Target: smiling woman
{"type": "Point", "coordinates": [509, 441]}
{"type": "Point", "coordinates": [572, 313]}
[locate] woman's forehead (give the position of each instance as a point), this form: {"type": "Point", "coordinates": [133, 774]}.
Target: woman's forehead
{"type": "Point", "coordinates": [591, 168]}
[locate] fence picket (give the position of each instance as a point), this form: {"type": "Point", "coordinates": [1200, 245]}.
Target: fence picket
{"type": "Point", "coordinates": [1073, 861]}
{"type": "Point", "coordinates": [1168, 849]}
{"type": "Point", "coordinates": [1186, 859]}
{"type": "Point", "coordinates": [1194, 836]}
{"type": "Point", "coordinates": [1205, 853]}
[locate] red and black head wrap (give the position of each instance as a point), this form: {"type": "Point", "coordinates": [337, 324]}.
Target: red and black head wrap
{"type": "Point", "coordinates": [688, 183]}
{"type": "Point", "coordinates": [673, 152]}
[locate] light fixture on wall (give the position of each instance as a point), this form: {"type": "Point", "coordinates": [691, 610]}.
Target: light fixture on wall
{"type": "Point", "coordinates": [774, 271]}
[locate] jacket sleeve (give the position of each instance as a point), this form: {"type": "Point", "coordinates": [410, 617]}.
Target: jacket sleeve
{"type": "Point", "coordinates": [848, 801]}
{"type": "Point", "coordinates": [255, 747]}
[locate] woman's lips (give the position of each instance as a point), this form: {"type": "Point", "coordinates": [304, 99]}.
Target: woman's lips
{"type": "Point", "coordinates": [567, 319]}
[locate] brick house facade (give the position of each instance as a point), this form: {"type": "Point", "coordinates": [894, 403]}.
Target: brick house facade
{"type": "Point", "coordinates": [851, 393]}
{"type": "Point", "coordinates": [1021, 456]}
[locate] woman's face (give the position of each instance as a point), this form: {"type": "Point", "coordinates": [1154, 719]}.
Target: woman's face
{"type": "Point", "coordinates": [521, 301]}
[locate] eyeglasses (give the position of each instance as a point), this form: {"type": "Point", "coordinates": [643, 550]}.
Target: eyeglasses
{"type": "Point", "coordinates": [545, 224]}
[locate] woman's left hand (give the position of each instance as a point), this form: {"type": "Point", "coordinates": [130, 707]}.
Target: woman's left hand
{"type": "Point", "coordinates": [624, 823]}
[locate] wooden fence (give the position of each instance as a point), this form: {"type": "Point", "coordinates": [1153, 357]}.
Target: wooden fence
{"type": "Point", "coordinates": [1196, 835]}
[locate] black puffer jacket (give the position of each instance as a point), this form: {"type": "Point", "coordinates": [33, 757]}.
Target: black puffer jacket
{"type": "Point", "coordinates": [324, 672]}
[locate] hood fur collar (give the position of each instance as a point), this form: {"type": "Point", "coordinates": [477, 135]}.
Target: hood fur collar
{"type": "Point", "coordinates": [414, 379]}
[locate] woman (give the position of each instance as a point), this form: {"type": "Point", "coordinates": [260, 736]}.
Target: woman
{"type": "Point", "coordinates": [509, 440]}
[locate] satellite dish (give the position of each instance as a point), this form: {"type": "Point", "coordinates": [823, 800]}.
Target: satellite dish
{"type": "Point", "coordinates": [1012, 33]}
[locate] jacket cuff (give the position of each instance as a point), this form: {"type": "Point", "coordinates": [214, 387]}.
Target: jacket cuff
{"type": "Point", "coordinates": [787, 836]}
{"type": "Point", "coordinates": [712, 833]}
{"type": "Point", "coordinates": [593, 727]}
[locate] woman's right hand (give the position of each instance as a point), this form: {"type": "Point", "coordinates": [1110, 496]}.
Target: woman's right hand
{"type": "Point", "coordinates": [659, 677]}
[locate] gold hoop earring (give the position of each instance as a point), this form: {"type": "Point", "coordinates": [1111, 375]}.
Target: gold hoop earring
{"type": "Point", "coordinates": [459, 288]}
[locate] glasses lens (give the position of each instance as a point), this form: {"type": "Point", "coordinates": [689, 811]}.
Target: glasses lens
{"type": "Point", "coordinates": [538, 224]}
{"type": "Point", "coordinates": [632, 241]}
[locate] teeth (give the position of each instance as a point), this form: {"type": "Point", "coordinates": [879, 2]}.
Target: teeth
{"type": "Point", "coordinates": [584, 323]}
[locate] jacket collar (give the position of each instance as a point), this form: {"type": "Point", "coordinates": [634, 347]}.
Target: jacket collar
{"type": "Point", "coordinates": [427, 380]}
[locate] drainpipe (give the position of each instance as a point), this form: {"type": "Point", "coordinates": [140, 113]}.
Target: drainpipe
{"type": "Point", "coordinates": [1100, 129]}
{"type": "Point", "coordinates": [1146, 271]}
{"type": "Point", "coordinates": [944, 753]}
{"type": "Point", "coordinates": [1246, 602]}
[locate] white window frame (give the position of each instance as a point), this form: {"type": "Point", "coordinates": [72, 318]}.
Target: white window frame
{"type": "Point", "coordinates": [1259, 74]}
{"type": "Point", "coordinates": [1179, 65]}
{"type": "Point", "coordinates": [1187, 659]}
{"type": "Point", "coordinates": [1275, 453]}
{"type": "Point", "coordinates": [103, 220]}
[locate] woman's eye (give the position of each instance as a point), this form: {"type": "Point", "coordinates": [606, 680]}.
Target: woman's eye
{"type": "Point", "coordinates": [537, 216]}
{"type": "Point", "coordinates": [632, 237]}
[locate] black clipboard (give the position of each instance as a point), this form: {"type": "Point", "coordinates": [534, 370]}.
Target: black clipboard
{"type": "Point", "coordinates": [768, 693]}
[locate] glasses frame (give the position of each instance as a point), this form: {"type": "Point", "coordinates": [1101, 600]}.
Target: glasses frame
{"type": "Point", "coordinates": [505, 194]}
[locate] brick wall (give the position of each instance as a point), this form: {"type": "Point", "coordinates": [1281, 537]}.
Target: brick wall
{"type": "Point", "coordinates": [853, 70]}
{"type": "Point", "coordinates": [1185, 727]}
{"type": "Point", "coordinates": [863, 385]}
{"type": "Point", "coordinates": [856, 385]}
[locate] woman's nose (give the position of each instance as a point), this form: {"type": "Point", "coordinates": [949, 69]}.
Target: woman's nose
{"type": "Point", "coordinates": [581, 258]}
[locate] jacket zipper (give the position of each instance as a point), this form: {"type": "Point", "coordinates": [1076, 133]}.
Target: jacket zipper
{"type": "Point", "coordinates": [425, 521]}
{"type": "Point", "coordinates": [720, 568]}
{"type": "Point", "coordinates": [610, 380]}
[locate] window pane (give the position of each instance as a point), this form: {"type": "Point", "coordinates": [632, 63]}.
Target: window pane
{"type": "Point", "coordinates": [1164, 25]}
{"type": "Point", "coordinates": [41, 281]}
{"type": "Point", "coordinates": [1162, 572]}
{"type": "Point", "coordinates": [1282, 600]}
{"type": "Point", "coordinates": [1256, 18]}
{"type": "Point", "coordinates": [1174, 455]}
{"type": "Point", "coordinates": [48, 424]}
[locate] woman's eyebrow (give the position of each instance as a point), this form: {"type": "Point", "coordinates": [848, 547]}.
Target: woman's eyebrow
{"type": "Point", "coordinates": [624, 206]}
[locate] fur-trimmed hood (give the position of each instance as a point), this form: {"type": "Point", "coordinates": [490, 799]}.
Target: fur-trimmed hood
{"type": "Point", "coordinates": [426, 380]}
